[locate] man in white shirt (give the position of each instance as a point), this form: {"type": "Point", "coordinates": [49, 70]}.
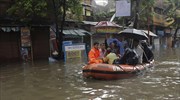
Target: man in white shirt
{"type": "Point", "coordinates": [137, 48]}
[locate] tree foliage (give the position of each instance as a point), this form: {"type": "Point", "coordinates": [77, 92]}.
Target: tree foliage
{"type": "Point", "coordinates": [171, 11]}
{"type": "Point", "coordinates": [27, 10]}
{"type": "Point", "coordinates": [75, 8]}
{"type": "Point", "coordinates": [145, 12]}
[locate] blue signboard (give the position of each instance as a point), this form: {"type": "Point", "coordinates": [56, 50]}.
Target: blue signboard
{"type": "Point", "coordinates": [74, 51]}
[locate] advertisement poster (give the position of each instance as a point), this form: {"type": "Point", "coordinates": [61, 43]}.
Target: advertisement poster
{"type": "Point", "coordinates": [25, 44]}
{"type": "Point", "coordinates": [25, 37]}
{"type": "Point", "coordinates": [74, 51]}
{"type": "Point", "coordinates": [123, 8]}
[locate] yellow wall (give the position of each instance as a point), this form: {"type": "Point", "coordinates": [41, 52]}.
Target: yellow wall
{"type": "Point", "coordinates": [161, 21]}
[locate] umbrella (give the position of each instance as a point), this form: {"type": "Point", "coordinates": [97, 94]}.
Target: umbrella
{"type": "Point", "coordinates": [150, 33]}
{"type": "Point", "coordinates": [107, 27]}
{"type": "Point", "coordinates": [134, 34]}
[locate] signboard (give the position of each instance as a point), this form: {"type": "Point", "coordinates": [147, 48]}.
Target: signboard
{"type": "Point", "coordinates": [74, 47]}
{"type": "Point", "coordinates": [160, 33]}
{"type": "Point", "coordinates": [74, 51]}
{"type": "Point", "coordinates": [67, 42]}
{"type": "Point", "coordinates": [107, 30]}
{"type": "Point", "coordinates": [123, 8]}
{"type": "Point", "coordinates": [26, 51]}
{"type": "Point", "coordinates": [73, 54]}
{"type": "Point", "coordinates": [25, 37]}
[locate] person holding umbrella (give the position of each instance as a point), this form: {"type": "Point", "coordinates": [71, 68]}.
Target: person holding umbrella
{"type": "Point", "coordinates": [139, 51]}
{"type": "Point", "coordinates": [134, 54]}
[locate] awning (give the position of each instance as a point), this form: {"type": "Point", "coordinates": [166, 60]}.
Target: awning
{"type": "Point", "coordinates": [90, 23]}
{"type": "Point", "coordinates": [76, 32]}
{"type": "Point", "coordinates": [9, 29]}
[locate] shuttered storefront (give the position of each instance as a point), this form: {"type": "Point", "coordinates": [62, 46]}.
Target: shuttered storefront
{"type": "Point", "coordinates": [40, 42]}
{"type": "Point", "coordinates": [9, 46]}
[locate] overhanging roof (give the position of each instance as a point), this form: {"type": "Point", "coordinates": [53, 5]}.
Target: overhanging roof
{"type": "Point", "coordinates": [90, 23]}
{"type": "Point", "coordinates": [76, 32]}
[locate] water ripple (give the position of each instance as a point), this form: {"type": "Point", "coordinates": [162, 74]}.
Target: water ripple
{"type": "Point", "coordinates": [169, 63]}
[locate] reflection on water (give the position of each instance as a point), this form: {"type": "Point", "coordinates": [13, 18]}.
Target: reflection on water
{"type": "Point", "coordinates": [64, 81]}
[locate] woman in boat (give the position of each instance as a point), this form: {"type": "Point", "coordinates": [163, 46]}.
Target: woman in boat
{"type": "Point", "coordinates": [111, 56]}
{"type": "Point", "coordinates": [94, 54]}
{"type": "Point", "coordinates": [102, 50]}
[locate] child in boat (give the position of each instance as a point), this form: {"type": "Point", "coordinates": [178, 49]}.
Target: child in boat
{"type": "Point", "coordinates": [111, 56]}
{"type": "Point", "coordinates": [102, 50]}
{"type": "Point", "coordinates": [94, 54]}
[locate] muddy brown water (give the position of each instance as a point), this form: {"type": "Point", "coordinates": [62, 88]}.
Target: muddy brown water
{"type": "Point", "coordinates": [63, 81]}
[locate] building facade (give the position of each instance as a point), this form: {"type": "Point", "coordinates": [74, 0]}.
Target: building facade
{"type": "Point", "coordinates": [19, 41]}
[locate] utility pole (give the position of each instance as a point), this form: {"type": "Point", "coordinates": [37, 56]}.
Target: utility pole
{"type": "Point", "coordinates": [56, 24]}
{"type": "Point", "coordinates": [61, 31]}
{"type": "Point", "coordinates": [136, 24]}
{"type": "Point", "coordinates": [59, 35]}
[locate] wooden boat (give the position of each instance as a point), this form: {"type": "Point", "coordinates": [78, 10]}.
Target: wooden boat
{"type": "Point", "coordinates": [111, 72]}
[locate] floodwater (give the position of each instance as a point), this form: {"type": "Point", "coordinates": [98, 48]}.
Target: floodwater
{"type": "Point", "coordinates": [63, 81]}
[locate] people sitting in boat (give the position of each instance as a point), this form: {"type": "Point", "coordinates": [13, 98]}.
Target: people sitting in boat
{"type": "Point", "coordinates": [111, 56]}
{"type": "Point", "coordinates": [148, 54]}
{"type": "Point", "coordinates": [121, 44]}
{"type": "Point", "coordinates": [102, 50]}
{"type": "Point", "coordinates": [132, 56]}
{"type": "Point", "coordinates": [114, 47]}
{"type": "Point", "coordinates": [94, 54]}
{"type": "Point", "coordinates": [118, 42]}
{"type": "Point", "coordinates": [138, 50]}
{"type": "Point", "coordinates": [109, 39]}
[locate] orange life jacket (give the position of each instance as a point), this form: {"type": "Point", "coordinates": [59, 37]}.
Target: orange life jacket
{"type": "Point", "coordinates": [93, 56]}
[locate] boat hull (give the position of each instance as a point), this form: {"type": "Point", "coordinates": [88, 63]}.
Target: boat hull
{"type": "Point", "coordinates": [111, 72]}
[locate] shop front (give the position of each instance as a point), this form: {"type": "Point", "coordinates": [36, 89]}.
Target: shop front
{"type": "Point", "coordinates": [9, 44]}
{"type": "Point", "coordinates": [19, 43]}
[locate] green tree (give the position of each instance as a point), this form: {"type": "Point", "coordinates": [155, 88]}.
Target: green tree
{"type": "Point", "coordinates": [146, 14]}
{"type": "Point", "coordinates": [29, 10]}
{"type": "Point", "coordinates": [60, 9]}
{"type": "Point", "coordinates": [26, 10]}
{"type": "Point", "coordinates": [172, 14]}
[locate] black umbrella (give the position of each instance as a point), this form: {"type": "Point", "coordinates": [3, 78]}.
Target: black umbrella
{"type": "Point", "coordinates": [134, 34]}
{"type": "Point", "coordinates": [150, 33]}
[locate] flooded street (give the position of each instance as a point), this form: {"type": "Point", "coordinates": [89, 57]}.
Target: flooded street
{"type": "Point", "coordinates": [60, 81]}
